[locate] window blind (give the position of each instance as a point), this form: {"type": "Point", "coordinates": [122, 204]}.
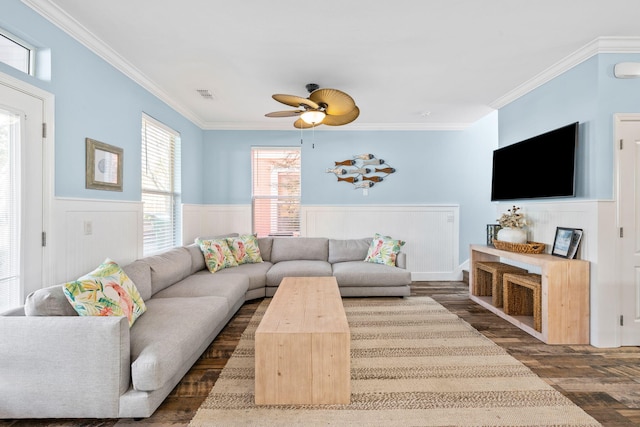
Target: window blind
{"type": "Point", "coordinates": [9, 210]}
{"type": "Point", "coordinates": [160, 186]}
{"type": "Point", "coordinates": [276, 191]}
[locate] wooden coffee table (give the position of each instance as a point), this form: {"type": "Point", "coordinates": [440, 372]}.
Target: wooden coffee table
{"type": "Point", "coordinates": [302, 345]}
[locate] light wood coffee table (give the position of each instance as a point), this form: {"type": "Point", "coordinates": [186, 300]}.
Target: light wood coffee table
{"type": "Point", "coordinates": [302, 345]}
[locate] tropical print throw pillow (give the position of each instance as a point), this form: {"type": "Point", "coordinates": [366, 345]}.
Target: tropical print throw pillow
{"type": "Point", "coordinates": [384, 250]}
{"type": "Point", "coordinates": [245, 249]}
{"type": "Point", "coordinates": [217, 254]}
{"type": "Point", "coordinates": [106, 291]}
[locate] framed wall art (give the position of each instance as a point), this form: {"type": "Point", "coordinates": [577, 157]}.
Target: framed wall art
{"type": "Point", "coordinates": [103, 166]}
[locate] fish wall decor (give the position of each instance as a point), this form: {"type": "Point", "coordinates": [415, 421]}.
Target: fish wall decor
{"type": "Point", "coordinates": [362, 176]}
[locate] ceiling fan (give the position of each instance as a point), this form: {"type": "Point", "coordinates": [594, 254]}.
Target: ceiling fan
{"type": "Point", "coordinates": [331, 107]}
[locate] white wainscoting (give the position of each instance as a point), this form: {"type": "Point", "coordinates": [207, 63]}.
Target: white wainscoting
{"type": "Point", "coordinates": [214, 220]}
{"type": "Point", "coordinates": [85, 232]}
{"type": "Point", "coordinates": [430, 231]}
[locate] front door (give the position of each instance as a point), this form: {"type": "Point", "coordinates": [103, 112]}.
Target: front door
{"type": "Point", "coordinates": [628, 146]}
{"type": "Point", "coordinates": [21, 198]}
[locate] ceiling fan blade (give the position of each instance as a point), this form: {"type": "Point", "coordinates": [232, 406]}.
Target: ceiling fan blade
{"type": "Point", "coordinates": [338, 103]}
{"type": "Point", "coordinates": [285, 113]}
{"type": "Point", "coordinates": [331, 120]}
{"type": "Point", "coordinates": [301, 124]}
{"type": "Point", "coordinates": [295, 101]}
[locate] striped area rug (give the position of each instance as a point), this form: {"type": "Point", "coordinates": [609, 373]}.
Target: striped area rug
{"type": "Point", "coordinates": [413, 363]}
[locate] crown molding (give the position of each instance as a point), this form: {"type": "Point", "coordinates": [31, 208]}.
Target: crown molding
{"type": "Point", "coordinates": [80, 33]}
{"type": "Point", "coordinates": [597, 46]}
{"type": "Point", "coordinates": [351, 126]}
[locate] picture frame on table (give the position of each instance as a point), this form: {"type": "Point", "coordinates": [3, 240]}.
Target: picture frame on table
{"type": "Point", "coordinates": [566, 242]}
{"type": "Point", "coordinates": [492, 233]}
{"type": "Point", "coordinates": [103, 166]}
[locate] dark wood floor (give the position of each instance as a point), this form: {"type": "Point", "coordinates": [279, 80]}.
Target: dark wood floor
{"type": "Point", "coordinates": [604, 382]}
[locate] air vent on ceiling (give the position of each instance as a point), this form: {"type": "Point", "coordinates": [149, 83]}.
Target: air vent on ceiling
{"type": "Point", "coordinates": [205, 93]}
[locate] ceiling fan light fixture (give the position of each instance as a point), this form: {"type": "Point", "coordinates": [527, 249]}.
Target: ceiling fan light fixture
{"type": "Point", "coordinates": [313, 116]}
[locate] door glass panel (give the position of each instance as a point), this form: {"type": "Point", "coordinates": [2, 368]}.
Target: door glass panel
{"type": "Point", "coordinates": [9, 210]}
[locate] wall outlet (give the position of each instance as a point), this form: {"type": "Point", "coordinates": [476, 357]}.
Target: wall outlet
{"type": "Point", "coordinates": [365, 191]}
{"type": "Point", "coordinates": [88, 228]}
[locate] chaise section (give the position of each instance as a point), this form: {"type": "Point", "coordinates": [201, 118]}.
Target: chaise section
{"type": "Point", "coordinates": [172, 334]}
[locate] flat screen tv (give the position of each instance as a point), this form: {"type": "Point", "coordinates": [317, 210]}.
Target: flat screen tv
{"type": "Point", "coordinates": [539, 167]}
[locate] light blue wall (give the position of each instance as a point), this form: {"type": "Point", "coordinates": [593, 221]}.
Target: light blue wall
{"type": "Point", "coordinates": [587, 93]}
{"type": "Point", "coordinates": [443, 167]}
{"type": "Point", "coordinates": [93, 99]}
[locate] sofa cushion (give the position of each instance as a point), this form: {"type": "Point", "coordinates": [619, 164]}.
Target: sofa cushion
{"type": "Point", "coordinates": [164, 339]}
{"type": "Point", "coordinates": [197, 258]}
{"type": "Point", "coordinates": [245, 249]}
{"type": "Point", "coordinates": [203, 283]}
{"type": "Point", "coordinates": [299, 248]}
{"type": "Point", "coordinates": [255, 272]}
{"type": "Point", "coordinates": [106, 291]}
{"type": "Point", "coordinates": [265, 244]}
{"type": "Point", "coordinates": [168, 268]}
{"type": "Point", "coordinates": [304, 268]}
{"type": "Point", "coordinates": [360, 273]}
{"type": "Point", "coordinates": [383, 250]}
{"type": "Point", "coordinates": [217, 254]}
{"type": "Point", "coordinates": [140, 273]}
{"type": "Point", "coordinates": [49, 301]}
{"type": "Point", "coordinates": [348, 250]}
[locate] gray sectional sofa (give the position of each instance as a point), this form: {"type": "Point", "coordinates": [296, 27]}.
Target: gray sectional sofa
{"type": "Point", "coordinates": [56, 364]}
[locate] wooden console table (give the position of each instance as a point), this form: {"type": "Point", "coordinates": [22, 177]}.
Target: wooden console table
{"type": "Point", "coordinates": [565, 295]}
{"type": "Point", "coordinates": [302, 345]}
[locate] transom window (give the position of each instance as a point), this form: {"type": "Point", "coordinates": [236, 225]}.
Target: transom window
{"type": "Point", "coordinates": [16, 53]}
{"type": "Point", "coordinates": [276, 191]}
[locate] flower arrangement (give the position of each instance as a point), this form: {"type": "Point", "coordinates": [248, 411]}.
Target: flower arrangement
{"type": "Point", "coordinates": [512, 219]}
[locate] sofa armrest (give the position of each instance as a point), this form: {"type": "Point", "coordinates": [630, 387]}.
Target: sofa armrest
{"type": "Point", "coordinates": [63, 366]}
{"type": "Point", "coordinates": [401, 260]}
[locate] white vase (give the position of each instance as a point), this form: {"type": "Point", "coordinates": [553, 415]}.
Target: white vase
{"type": "Point", "coordinates": [512, 235]}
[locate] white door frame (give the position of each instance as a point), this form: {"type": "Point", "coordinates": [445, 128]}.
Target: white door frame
{"type": "Point", "coordinates": [617, 122]}
{"type": "Point", "coordinates": [48, 158]}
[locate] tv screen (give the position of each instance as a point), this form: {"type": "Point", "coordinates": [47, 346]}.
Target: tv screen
{"type": "Point", "coordinates": [538, 167]}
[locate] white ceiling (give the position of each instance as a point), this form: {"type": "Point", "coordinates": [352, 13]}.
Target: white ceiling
{"type": "Point", "coordinates": [409, 64]}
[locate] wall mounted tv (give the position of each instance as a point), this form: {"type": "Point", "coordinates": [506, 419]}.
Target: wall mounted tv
{"type": "Point", "coordinates": [538, 167]}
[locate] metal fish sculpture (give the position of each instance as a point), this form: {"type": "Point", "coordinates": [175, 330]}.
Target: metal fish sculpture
{"type": "Point", "coordinates": [360, 171]}
{"type": "Point", "coordinates": [386, 170]}
{"type": "Point", "coordinates": [373, 178]}
{"type": "Point", "coordinates": [364, 184]}
{"type": "Point", "coordinates": [337, 171]}
{"type": "Point", "coordinates": [345, 163]}
{"type": "Point", "coordinates": [364, 156]}
{"type": "Point", "coordinates": [351, 179]}
{"type": "Point", "coordinates": [373, 162]}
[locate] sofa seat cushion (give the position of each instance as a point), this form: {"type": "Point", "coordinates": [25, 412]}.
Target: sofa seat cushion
{"type": "Point", "coordinates": [205, 284]}
{"type": "Point", "coordinates": [164, 339]}
{"type": "Point", "coordinates": [257, 273]}
{"type": "Point", "coordinates": [360, 273]}
{"type": "Point", "coordinates": [298, 268]}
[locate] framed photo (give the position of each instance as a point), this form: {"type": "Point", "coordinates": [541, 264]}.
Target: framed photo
{"type": "Point", "coordinates": [566, 242]}
{"type": "Point", "coordinates": [103, 166]}
{"type": "Point", "coordinates": [492, 233]}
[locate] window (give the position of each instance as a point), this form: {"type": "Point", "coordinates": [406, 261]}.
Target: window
{"type": "Point", "coordinates": [160, 186]}
{"type": "Point", "coordinates": [276, 191]}
{"type": "Point", "coordinates": [9, 210]}
{"type": "Point", "coordinates": [16, 53]}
